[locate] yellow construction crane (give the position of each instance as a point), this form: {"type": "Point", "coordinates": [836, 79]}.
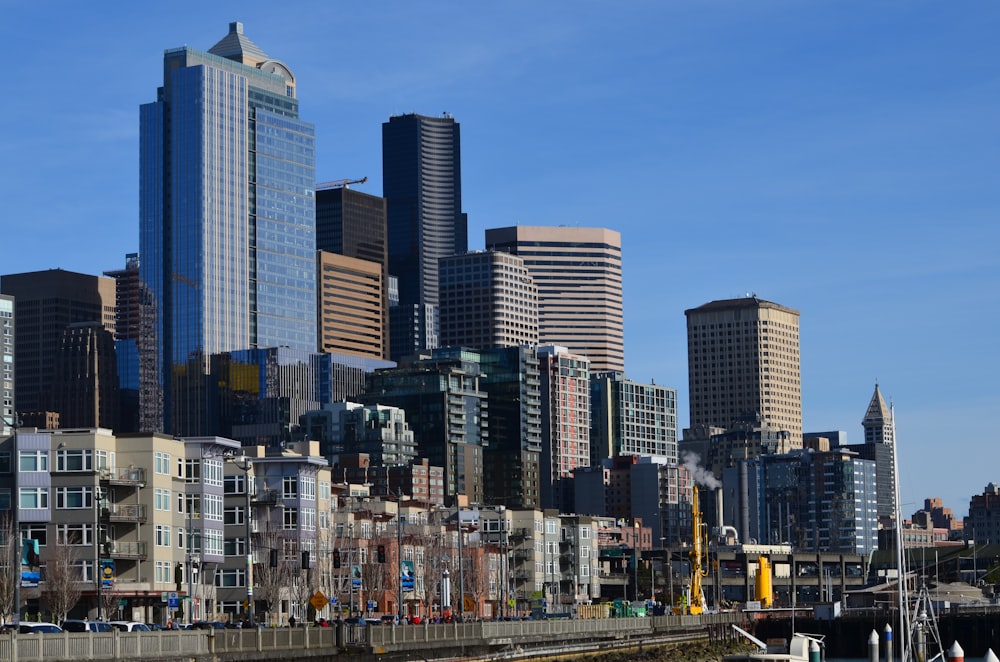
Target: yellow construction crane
{"type": "Point", "coordinates": [695, 598]}
{"type": "Point", "coordinates": [340, 183]}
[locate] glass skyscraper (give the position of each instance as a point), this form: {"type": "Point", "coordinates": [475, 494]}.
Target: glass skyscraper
{"type": "Point", "coordinates": [422, 184]}
{"type": "Point", "coordinates": [227, 216]}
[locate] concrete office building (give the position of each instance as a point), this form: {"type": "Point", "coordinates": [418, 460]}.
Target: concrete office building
{"type": "Point", "coordinates": [350, 306]}
{"type": "Point", "coordinates": [353, 224]}
{"type": "Point", "coordinates": [422, 184]}
{"type": "Point", "coordinates": [578, 273]}
{"type": "Point", "coordinates": [743, 362]}
{"type": "Point", "coordinates": [227, 215]}
{"type": "Point", "coordinates": [487, 300]}
{"type": "Point", "coordinates": [45, 304]}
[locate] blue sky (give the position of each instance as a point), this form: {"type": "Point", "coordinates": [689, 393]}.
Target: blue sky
{"type": "Point", "coordinates": [840, 158]}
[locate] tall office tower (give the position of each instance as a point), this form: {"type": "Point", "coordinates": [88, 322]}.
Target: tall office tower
{"type": "Point", "coordinates": [352, 223]}
{"type": "Point", "coordinates": [743, 363]}
{"type": "Point", "coordinates": [85, 390]}
{"type": "Point", "coordinates": [565, 391]}
{"type": "Point", "coordinates": [629, 418]}
{"type": "Point", "coordinates": [45, 303]}
{"type": "Point", "coordinates": [141, 405]}
{"type": "Point", "coordinates": [488, 300]}
{"type": "Point", "coordinates": [227, 215]}
{"type": "Point", "coordinates": [7, 404]}
{"type": "Point", "coordinates": [350, 306]}
{"type": "Point", "coordinates": [422, 184]}
{"type": "Point", "coordinates": [578, 273]}
{"type": "Point", "coordinates": [880, 446]}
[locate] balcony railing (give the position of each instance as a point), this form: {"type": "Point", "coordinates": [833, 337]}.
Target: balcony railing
{"type": "Point", "coordinates": [126, 550]}
{"type": "Point", "coordinates": [130, 477]}
{"type": "Point", "coordinates": [122, 512]}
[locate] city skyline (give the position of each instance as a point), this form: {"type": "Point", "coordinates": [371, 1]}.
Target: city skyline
{"type": "Point", "coordinates": [838, 160]}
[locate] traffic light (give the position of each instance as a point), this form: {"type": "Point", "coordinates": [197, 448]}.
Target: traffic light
{"type": "Point", "coordinates": [381, 553]}
{"type": "Point", "coordinates": [336, 558]}
{"type": "Point", "coordinates": [305, 560]}
{"type": "Point", "coordinates": [274, 558]}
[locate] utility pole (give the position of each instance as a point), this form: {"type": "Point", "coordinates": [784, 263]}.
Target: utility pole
{"type": "Point", "coordinates": [98, 571]}
{"type": "Point", "coordinates": [399, 553]}
{"type": "Point", "coordinates": [15, 422]}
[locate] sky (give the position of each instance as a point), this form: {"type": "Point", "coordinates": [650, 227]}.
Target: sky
{"type": "Point", "coordinates": [839, 158]}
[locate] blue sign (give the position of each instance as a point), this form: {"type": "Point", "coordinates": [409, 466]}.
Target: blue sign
{"type": "Point", "coordinates": [30, 578]}
{"type": "Point", "coordinates": [407, 576]}
{"type": "Point", "coordinates": [107, 573]}
{"type": "Point", "coordinates": [173, 603]}
{"type": "Point", "coordinates": [355, 575]}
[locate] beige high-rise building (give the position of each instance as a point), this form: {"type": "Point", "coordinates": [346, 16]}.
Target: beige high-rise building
{"type": "Point", "coordinates": [488, 300]}
{"type": "Point", "coordinates": [743, 363]}
{"type": "Point", "coordinates": [349, 306]}
{"type": "Point", "coordinates": [578, 273]}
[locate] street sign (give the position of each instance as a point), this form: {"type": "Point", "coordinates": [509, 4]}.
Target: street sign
{"type": "Point", "coordinates": [173, 603]}
{"type": "Point", "coordinates": [318, 601]}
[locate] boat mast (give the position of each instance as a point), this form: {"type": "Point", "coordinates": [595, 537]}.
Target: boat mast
{"type": "Point", "coordinates": [902, 589]}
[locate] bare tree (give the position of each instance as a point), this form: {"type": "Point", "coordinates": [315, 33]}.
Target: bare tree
{"type": "Point", "coordinates": [63, 581]}
{"type": "Point", "coordinates": [270, 580]}
{"type": "Point", "coordinates": [10, 566]}
{"type": "Point", "coordinates": [109, 600]}
{"type": "Point", "coordinates": [431, 572]}
{"type": "Point", "coordinates": [374, 575]}
{"type": "Point", "coordinates": [477, 577]}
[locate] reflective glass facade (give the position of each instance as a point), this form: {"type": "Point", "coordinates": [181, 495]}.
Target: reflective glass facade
{"type": "Point", "coordinates": [227, 232]}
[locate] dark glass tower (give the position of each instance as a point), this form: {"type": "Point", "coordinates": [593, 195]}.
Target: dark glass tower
{"type": "Point", "coordinates": [422, 184]}
{"type": "Point", "coordinates": [227, 215]}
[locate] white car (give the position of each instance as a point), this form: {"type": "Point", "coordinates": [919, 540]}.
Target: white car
{"type": "Point", "coordinates": [130, 626]}
{"type": "Point", "coordinates": [30, 627]}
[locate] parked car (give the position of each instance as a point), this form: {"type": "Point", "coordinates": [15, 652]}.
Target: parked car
{"type": "Point", "coordinates": [29, 627]}
{"type": "Point", "coordinates": [73, 625]}
{"type": "Point", "coordinates": [130, 626]}
{"type": "Point", "coordinates": [208, 625]}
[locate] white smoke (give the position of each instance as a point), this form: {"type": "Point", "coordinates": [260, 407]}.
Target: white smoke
{"type": "Point", "coordinates": [700, 474]}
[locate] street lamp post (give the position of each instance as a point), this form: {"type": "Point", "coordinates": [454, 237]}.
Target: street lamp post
{"type": "Point", "coordinates": [98, 572]}
{"type": "Point", "coordinates": [399, 556]}
{"type": "Point", "coordinates": [244, 464]}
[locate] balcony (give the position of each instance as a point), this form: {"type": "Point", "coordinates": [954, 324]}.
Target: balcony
{"type": "Point", "coordinates": [132, 512]}
{"type": "Point", "coordinates": [130, 477]}
{"type": "Point", "coordinates": [266, 498]}
{"type": "Point", "coordinates": [126, 550]}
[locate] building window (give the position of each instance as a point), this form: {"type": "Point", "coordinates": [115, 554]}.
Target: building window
{"type": "Point", "coordinates": [161, 463]}
{"type": "Point", "coordinates": [34, 461]}
{"type": "Point", "coordinates": [291, 518]}
{"type": "Point", "coordinates": [75, 534]}
{"type": "Point", "coordinates": [163, 535]}
{"type": "Point", "coordinates": [74, 497]}
{"type": "Point", "coordinates": [34, 497]}
{"type": "Point", "coordinates": [289, 487]}
{"type": "Point", "coordinates": [74, 460]}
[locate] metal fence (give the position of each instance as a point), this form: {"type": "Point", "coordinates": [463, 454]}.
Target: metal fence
{"type": "Point", "coordinates": [100, 646]}
{"type": "Point", "coordinates": [116, 645]}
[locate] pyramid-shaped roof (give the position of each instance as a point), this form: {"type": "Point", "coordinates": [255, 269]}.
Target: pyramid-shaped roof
{"type": "Point", "coordinates": [878, 413]}
{"type": "Point", "coordinates": [237, 46]}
